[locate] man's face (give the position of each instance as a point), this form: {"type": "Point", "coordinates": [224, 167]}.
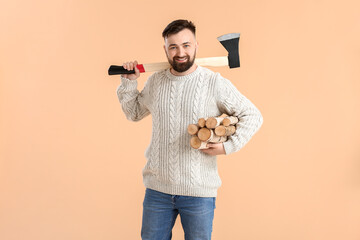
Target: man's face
{"type": "Point", "coordinates": [180, 50]}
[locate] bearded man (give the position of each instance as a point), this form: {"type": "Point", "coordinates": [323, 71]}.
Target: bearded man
{"type": "Point", "coordinates": [180, 180]}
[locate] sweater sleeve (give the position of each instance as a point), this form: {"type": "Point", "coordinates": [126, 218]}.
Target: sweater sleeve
{"type": "Point", "coordinates": [233, 103]}
{"type": "Point", "coordinates": [132, 101]}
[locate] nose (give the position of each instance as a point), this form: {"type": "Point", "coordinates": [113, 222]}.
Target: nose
{"type": "Point", "coordinates": [181, 52]}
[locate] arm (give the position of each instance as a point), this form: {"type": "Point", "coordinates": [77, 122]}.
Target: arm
{"type": "Point", "coordinates": [132, 101]}
{"type": "Point", "coordinates": [232, 102]}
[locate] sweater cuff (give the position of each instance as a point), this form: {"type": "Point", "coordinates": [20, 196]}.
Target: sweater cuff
{"type": "Point", "coordinates": [228, 147]}
{"type": "Point", "coordinates": [127, 85]}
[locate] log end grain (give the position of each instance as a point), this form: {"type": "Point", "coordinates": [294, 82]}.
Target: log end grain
{"type": "Point", "coordinates": [201, 122]}
{"type": "Point", "coordinates": [224, 115]}
{"type": "Point", "coordinates": [196, 143]}
{"type": "Point", "coordinates": [230, 121]}
{"type": "Point", "coordinates": [220, 130]}
{"type": "Point", "coordinates": [192, 129]}
{"type": "Point", "coordinates": [204, 134]}
{"type": "Point", "coordinates": [211, 122]}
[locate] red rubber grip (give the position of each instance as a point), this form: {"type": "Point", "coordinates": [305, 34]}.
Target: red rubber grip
{"type": "Point", "coordinates": [141, 68]}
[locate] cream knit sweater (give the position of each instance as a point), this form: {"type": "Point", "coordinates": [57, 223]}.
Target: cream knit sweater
{"type": "Point", "coordinates": [174, 102]}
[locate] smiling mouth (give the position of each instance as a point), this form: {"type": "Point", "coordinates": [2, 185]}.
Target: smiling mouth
{"type": "Point", "coordinates": [182, 59]}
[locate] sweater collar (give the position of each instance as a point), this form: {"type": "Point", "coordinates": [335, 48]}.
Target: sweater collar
{"type": "Point", "coordinates": [185, 77]}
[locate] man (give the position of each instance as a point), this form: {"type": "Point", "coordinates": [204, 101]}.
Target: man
{"type": "Point", "coordinates": [180, 179]}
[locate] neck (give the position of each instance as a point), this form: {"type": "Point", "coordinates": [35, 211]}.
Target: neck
{"type": "Point", "coordinates": [190, 70]}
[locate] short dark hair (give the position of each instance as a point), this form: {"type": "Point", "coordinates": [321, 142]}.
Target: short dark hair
{"type": "Point", "coordinates": [178, 25]}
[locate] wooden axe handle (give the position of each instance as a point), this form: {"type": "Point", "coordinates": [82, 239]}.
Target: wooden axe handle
{"type": "Point", "coordinates": [153, 67]}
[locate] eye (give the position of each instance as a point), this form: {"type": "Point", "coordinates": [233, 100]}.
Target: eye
{"type": "Point", "coordinates": [186, 45]}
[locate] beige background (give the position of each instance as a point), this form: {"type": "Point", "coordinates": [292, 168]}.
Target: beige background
{"type": "Point", "coordinates": [71, 163]}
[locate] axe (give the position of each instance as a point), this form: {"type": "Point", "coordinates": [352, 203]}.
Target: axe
{"type": "Point", "coordinates": [229, 41]}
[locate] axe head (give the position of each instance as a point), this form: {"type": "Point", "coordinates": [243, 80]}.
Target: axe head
{"type": "Point", "coordinates": [231, 43]}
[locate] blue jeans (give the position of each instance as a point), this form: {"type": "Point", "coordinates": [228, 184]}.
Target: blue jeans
{"type": "Point", "coordinates": [160, 212]}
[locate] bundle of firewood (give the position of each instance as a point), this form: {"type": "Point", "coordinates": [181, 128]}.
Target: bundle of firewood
{"type": "Point", "coordinates": [211, 129]}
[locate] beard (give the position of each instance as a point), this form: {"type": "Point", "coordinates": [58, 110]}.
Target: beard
{"type": "Point", "coordinates": [182, 66]}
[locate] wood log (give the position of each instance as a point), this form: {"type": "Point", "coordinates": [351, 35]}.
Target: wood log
{"type": "Point", "coordinates": [202, 122]}
{"type": "Point", "coordinates": [218, 139]}
{"type": "Point", "coordinates": [205, 134]}
{"type": "Point", "coordinates": [208, 135]}
{"type": "Point", "coordinates": [193, 129]}
{"type": "Point", "coordinates": [224, 115]}
{"type": "Point", "coordinates": [213, 122]}
{"type": "Point", "coordinates": [225, 131]}
{"type": "Point", "coordinates": [196, 143]}
{"type": "Point", "coordinates": [231, 120]}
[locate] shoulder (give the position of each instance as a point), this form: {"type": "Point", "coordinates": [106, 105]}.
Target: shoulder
{"type": "Point", "coordinates": [215, 78]}
{"type": "Point", "coordinates": [154, 77]}
{"type": "Point", "coordinates": [207, 73]}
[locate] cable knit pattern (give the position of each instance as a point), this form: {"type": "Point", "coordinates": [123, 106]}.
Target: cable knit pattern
{"type": "Point", "coordinates": [174, 102]}
{"type": "Point", "coordinates": [174, 133]}
{"type": "Point", "coordinates": [196, 155]}
{"type": "Point", "coordinates": [155, 140]}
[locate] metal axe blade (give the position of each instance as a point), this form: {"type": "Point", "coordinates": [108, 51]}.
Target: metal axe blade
{"type": "Point", "coordinates": [231, 43]}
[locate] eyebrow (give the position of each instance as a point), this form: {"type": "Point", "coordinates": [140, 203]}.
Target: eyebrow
{"type": "Point", "coordinates": [173, 44]}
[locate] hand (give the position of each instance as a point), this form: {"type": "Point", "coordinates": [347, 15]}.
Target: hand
{"type": "Point", "coordinates": [131, 66]}
{"type": "Point", "coordinates": [214, 149]}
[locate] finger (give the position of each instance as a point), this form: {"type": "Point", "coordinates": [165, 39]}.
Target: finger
{"type": "Point", "coordinates": [137, 71]}
{"type": "Point", "coordinates": [136, 68]}
{"type": "Point", "coordinates": [210, 145]}
{"type": "Point", "coordinates": [133, 65]}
